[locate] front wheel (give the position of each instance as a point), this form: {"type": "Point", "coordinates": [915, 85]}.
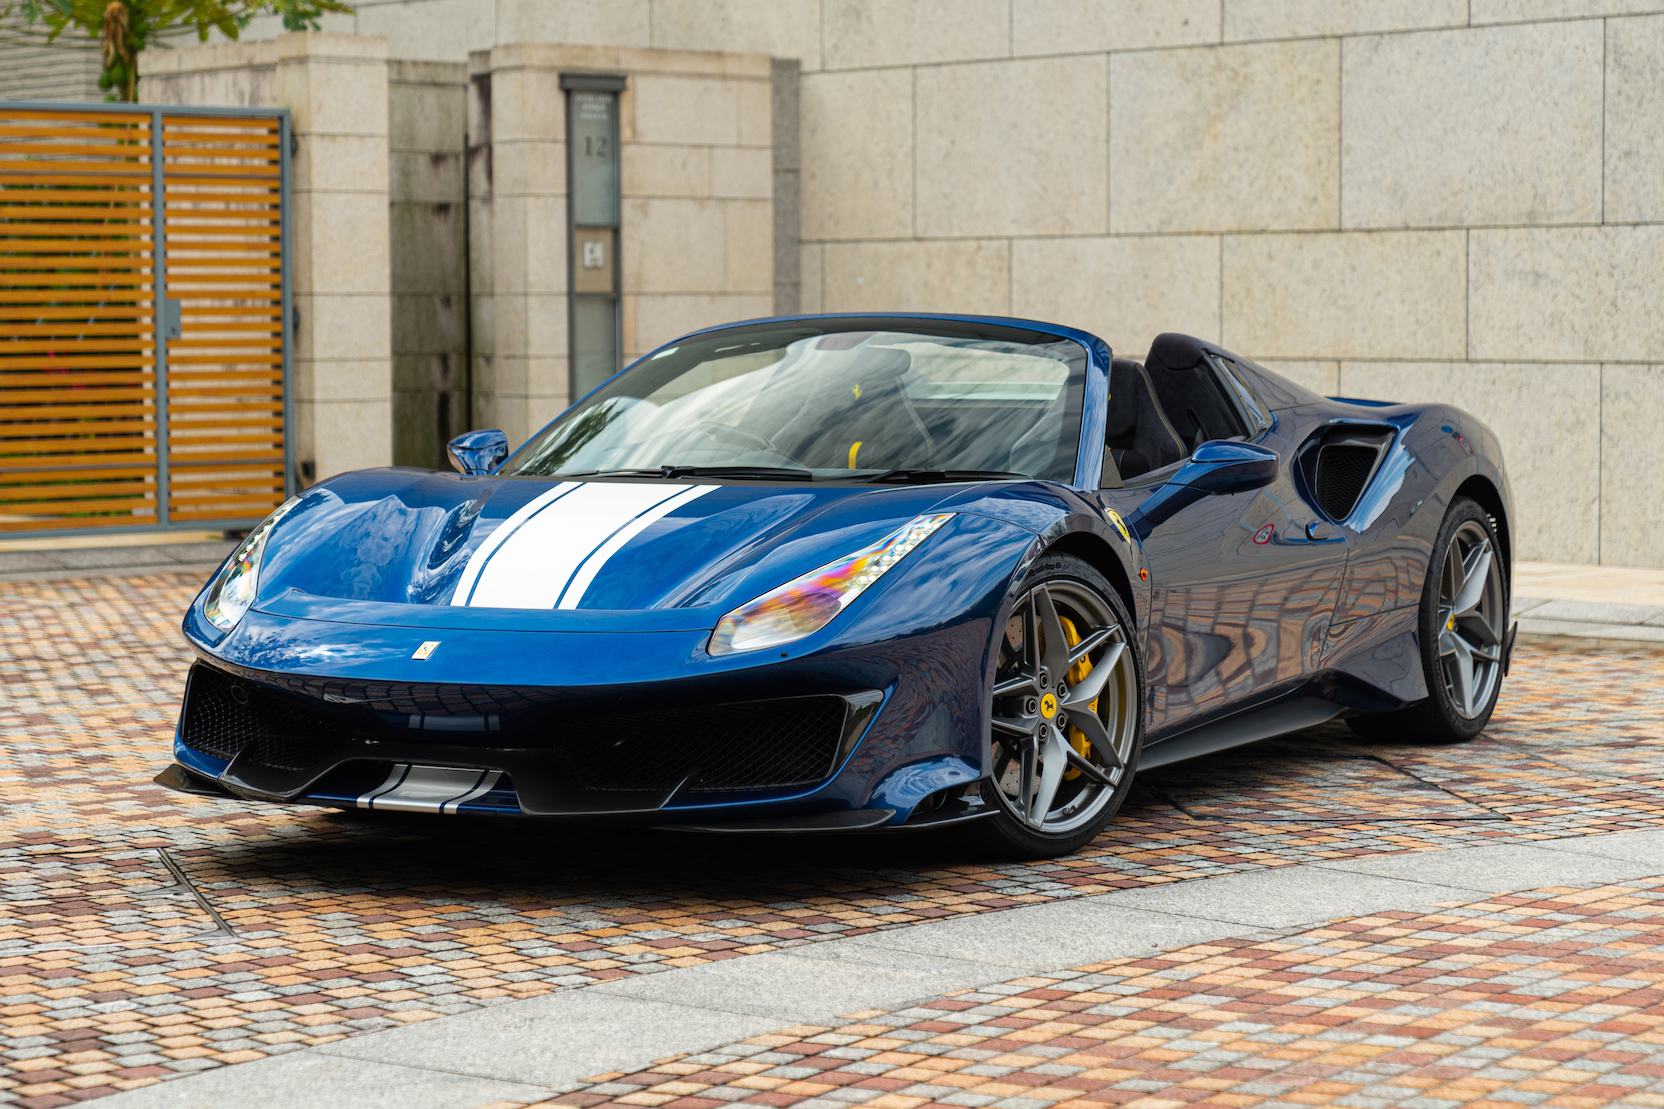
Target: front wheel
{"type": "Point", "coordinates": [1066, 714]}
{"type": "Point", "coordinates": [1464, 615]}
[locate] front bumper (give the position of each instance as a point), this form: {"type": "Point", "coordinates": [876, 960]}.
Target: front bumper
{"type": "Point", "coordinates": [538, 752]}
{"type": "Point", "coordinates": [536, 695]}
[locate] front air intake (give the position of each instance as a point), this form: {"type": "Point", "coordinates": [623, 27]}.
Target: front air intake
{"type": "Point", "coordinates": [1342, 472]}
{"type": "Point", "coordinates": [223, 715]}
{"type": "Point", "coordinates": [734, 747]}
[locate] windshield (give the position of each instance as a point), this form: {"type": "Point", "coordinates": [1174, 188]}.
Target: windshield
{"type": "Point", "coordinates": [832, 399]}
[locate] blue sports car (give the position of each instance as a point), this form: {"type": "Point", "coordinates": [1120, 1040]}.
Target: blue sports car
{"type": "Point", "coordinates": [838, 573]}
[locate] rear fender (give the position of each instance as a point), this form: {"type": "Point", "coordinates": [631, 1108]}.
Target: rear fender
{"type": "Point", "coordinates": [1391, 534]}
{"type": "Point", "coordinates": [1373, 648]}
{"type": "Point", "coordinates": [1456, 448]}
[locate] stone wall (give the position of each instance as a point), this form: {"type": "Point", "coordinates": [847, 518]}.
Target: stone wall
{"type": "Point", "coordinates": [1381, 199]}
{"type": "Point", "coordinates": [696, 232]}
{"type": "Point", "coordinates": [427, 107]}
{"type": "Point", "coordinates": [1450, 199]}
{"type": "Point", "coordinates": [335, 87]}
{"type": "Point", "coordinates": [788, 193]}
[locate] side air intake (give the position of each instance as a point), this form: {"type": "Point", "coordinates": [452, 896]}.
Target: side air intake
{"type": "Point", "coordinates": [1345, 463]}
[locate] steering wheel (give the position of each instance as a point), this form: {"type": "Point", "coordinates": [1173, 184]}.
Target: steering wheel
{"type": "Point", "coordinates": [749, 436]}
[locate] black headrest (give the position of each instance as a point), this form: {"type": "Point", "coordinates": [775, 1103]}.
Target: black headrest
{"type": "Point", "coordinates": [1173, 351]}
{"type": "Point", "coordinates": [1124, 389]}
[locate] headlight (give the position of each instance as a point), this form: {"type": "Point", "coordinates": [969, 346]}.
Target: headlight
{"type": "Point", "coordinates": [233, 588]}
{"type": "Point", "coordinates": [807, 604]}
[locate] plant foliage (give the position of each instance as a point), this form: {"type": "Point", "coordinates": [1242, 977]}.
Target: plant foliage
{"type": "Point", "coordinates": [123, 28]}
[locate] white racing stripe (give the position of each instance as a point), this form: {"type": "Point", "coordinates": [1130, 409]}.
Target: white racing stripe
{"type": "Point", "coordinates": [482, 555]}
{"type": "Point", "coordinates": [565, 538]}
{"type": "Point", "coordinates": [591, 566]}
{"type": "Point", "coordinates": [433, 789]}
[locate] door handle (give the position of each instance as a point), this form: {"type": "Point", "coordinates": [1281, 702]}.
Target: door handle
{"type": "Point", "coordinates": [1317, 531]}
{"type": "Point", "coordinates": [1320, 532]}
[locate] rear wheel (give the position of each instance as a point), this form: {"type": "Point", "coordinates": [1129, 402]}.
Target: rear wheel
{"type": "Point", "coordinates": [1067, 713]}
{"type": "Point", "coordinates": [1464, 614]}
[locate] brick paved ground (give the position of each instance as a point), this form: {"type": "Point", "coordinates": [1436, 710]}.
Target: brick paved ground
{"type": "Point", "coordinates": [1552, 998]}
{"type": "Point", "coordinates": [345, 923]}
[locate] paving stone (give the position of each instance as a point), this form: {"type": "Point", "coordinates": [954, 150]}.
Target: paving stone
{"type": "Point", "coordinates": [20, 561]}
{"type": "Point", "coordinates": [1596, 612]}
{"type": "Point", "coordinates": [93, 558]}
{"type": "Point", "coordinates": [198, 553]}
{"type": "Point", "coordinates": [1291, 1014]}
{"type": "Point", "coordinates": [417, 919]}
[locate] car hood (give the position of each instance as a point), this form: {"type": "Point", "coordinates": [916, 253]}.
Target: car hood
{"type": "Point", "coordinates": [368, 546]}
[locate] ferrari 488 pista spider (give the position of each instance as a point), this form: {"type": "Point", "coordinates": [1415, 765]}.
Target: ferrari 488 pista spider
{"type": "Point", "coordinates": [858, 573]}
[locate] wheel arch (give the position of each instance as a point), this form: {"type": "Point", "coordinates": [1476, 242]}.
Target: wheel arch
{"type": "Point", "coordinates": [1099, 555]}
{"type": "Point", "coordinates": [1480, 489]}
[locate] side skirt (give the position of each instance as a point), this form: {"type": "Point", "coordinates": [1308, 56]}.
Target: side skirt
{"type": "Point", "coordinates": [1234, 731]}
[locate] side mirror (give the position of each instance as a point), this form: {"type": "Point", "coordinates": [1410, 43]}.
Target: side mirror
{"type": "Point", "coordinates": [1219, 466]}
{"type": "Point", "coordinates": [477, 452]}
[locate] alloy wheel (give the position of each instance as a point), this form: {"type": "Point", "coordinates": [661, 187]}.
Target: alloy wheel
{"type": "Point", "coordinates": [1471, 600]}
{"type": "Point", "coordinates": [1065, 703]}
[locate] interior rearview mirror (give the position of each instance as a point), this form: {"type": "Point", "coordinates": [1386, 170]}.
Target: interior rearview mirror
{"type": "Point", "coordinates": [477, 452]}
{"type": "Point", "coordinates": [1219, 466]}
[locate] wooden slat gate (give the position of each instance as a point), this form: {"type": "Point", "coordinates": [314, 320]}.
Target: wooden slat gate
{"type": "Point", "coordinates": [143, 296]}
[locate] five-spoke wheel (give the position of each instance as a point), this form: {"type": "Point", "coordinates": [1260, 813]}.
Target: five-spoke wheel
{"type": "Point", "coordinates": [1066, 713]}
{"type": "Point", "coordinates": [1471, 616]}
{"type": "Point", "coordinates": [1464, 616]}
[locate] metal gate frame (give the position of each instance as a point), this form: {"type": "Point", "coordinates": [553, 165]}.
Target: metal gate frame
{"type": "Point", "coordinates": [286, 311]}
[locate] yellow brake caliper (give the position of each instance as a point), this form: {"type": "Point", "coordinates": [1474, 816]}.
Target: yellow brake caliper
{"type": "Point", "coordinates": [1077, 674]}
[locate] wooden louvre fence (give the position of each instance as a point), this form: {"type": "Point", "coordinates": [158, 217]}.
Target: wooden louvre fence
{"type": "Point", "coordinates": [143, 296]}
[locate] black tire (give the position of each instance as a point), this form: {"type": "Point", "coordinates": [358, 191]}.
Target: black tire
{"type": "Point", "coordinates": [1441, 718]}
{"type": "Point", "coordinates": [1081, 592]}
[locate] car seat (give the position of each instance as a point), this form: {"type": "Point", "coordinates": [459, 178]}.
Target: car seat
{"type": "Point", "coordinates": [1137, 437]}
{"type": "Point", "coordinates": [1189, 392]}
{"type": "Point", "coordinates": [858, 417]}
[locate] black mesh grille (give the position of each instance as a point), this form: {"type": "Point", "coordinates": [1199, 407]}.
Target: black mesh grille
{"type": "Point", "coordinates": [223, 715]}
{"type": "Point", "coordinates": [1341, 473]}
{"type": "Point", "coordinates": [752, 745]}
{"type": "Point", "coordinates": [746, 746]}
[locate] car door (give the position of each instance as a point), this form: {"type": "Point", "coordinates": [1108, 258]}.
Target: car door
{"type": "Point", "coordinates": [1243, 584]}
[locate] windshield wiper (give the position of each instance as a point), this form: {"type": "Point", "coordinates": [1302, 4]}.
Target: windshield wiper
{"type": "Point", "coordinates": [766, 473]}
{"type": "Point", "coordinates": [780, 473]}
{"type": "Point", "coordinates": [928, 476]}
{"type": "Point", "coordinates": [606, 473]}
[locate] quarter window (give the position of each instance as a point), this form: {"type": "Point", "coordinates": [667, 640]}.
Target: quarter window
{"type": "Point", "coordinates": [1241, 395]}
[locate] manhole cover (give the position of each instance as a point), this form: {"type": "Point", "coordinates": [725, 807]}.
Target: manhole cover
{"type": "Point", "coordinates": [1257, 785]}
{"type": "Point", "coordinates": [84, 900]}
